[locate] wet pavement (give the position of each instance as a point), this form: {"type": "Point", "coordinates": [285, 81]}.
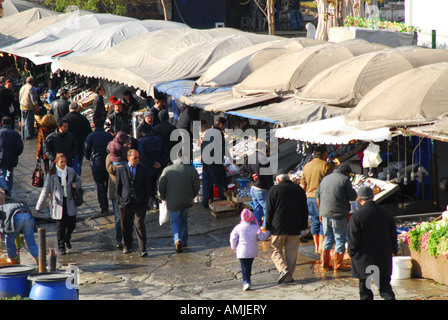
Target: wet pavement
{"type": "Point", "coordinates": [207, 270]}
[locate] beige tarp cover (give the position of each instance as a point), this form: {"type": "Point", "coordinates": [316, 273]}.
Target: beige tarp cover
{"type": "Point", "coordinates": [13, 7]}
{"type": "Point", "coordinates": [162, 56]}
{"type": "Point", "coordinates": [294, 70]}
{"type": "Point", "coordinates": [235, 67]}
{"type": "Point", "coordinates": [84, 34]}
{"type": "Point", "coordinates": [346, 83]}
{"type": "Point", "coordinates": [409, 98]}
{"type": "Point", "coordinates": [437, 130]}
{"type": "Point", "coordinates": [331, 131]}
{"type": "Point", "coordinates": [383, 36]}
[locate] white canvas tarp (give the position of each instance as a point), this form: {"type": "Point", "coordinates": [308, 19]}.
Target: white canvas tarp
{"type": "Point", "coordinates": [331, 131]}
{"type": "Point", "coordinates": [83, 34]}
{"type": "Point", "coordinates": [235, 67]}
{"type": "Point", "coordinates": [294, 70]}
{"type": "Point", "coordinates": [409, 98]}
{"type": "Point", "coordinates": [162, 56]}
{"type": "Point", "coordinates": [13, 7]}
{"type": "Point", "coordinates": [346, 83]}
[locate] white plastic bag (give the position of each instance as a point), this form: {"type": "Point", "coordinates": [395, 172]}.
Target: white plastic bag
{"type": "Point", "coordinates": [163, 213]}
{"type": "Point", "coordinates": [371, 158]}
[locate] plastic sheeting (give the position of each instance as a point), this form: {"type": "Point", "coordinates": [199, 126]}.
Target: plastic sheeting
{"type": "Point", "coordinates": [410, 98]}
{"type": "Point", "coordinates": [13, 7]}
{"type": "Point", "coordinates": [179, 88]}
{"type": "Point", "coordinates": [83, 34]}
{"type": "Point", "coordinates": [346, 83]}
{"type": "Point", "coordinates": [235, 67]}
{"type": "Point", "coordinates": [390, 38]}
{"type": "Point", "coordinates": [331, 131]}
{"type": "Point", "coordinates": [163, 56]}
{"type": "Point", "coordinates": [293, 71]}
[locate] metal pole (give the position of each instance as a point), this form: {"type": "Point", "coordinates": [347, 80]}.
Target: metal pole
{"type": "Point", "coordinates": [434, 39]}
{"type": "Point", "coordinates": [42, 250]}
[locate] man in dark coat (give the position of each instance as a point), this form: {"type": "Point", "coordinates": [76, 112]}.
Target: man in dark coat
{"type": "Point", "coordinates": [163, 130]}
{"type": "Point", "coordinates": [117, 119]}
{"type": "Point", "coordinates": [372, 240]}
{"type": "Point", "coordinates": [99, 109]}
{"type": "Point", "coordinates": [152, 153]}
{"type": "Point", "coordinates": [11, 147]}
{"type": "Point", "coordinates": [95, 150]}
{"type": "Point", "coordinates": [61, 141]}
{"type": "Point", "coordinates": [132, 192]}
{"type": "Point", "coordinates": [79, 126]}
{"type": "Point", "coordinates": [287, 220]}
{"type": "Point", "coordinates": [60, 107]}
{"type": "Point", "coordinates": [6, 98]}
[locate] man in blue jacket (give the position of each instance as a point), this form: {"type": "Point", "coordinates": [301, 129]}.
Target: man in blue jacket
{"type": "Point", "coordinates": [95, 150]}
{"type": "Point", "coordinates": [11, 147]}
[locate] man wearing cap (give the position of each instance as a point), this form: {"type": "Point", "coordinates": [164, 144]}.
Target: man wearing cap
{"type": "Point", "coordinates": [117, 119]}
{"type": "Point", "coordinates": [146, 124]}
{"type": "Point", "coordinates": [333, 200]}
{"type": "Point", "coordinates": [372, 241]}
{"type": "Point", "coordinates": [287, 220]}
{"type": "Point", "coordinates": [60, 107]}
{"type": "Point", "coordinates": [28, 103]}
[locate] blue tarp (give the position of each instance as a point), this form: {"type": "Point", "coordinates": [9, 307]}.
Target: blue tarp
{"type": "Point", "coordinates": [199, 14]}
{"type": "Point", "coordinates": [178, 88]}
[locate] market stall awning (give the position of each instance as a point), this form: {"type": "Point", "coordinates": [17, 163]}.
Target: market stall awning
{"type": "Point", "coordinates": [331, 131]}
{"type": "Point", "coordinates": [82, 35]}
{"type": "Point", "coordinates": [289, 112]}
{"type": "Point", "coordinates": [294, 70]}
{"type": "Point", "coordinates": [410, 98]}
{"type": "Point", "coordinates": [437, 130]}
{"type": "Point", "coordinates": [235, 67]}
{"type": "Point", "coordinates": [162, 56]}
{"type": "Point", "coordinates": [346, 83]}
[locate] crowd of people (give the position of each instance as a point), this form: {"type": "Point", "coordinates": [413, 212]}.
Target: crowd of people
{"type": "Point", "coordinates": [137, 173]}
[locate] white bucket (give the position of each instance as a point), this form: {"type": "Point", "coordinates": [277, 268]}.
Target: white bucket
{"type": "Point", "coordinates": [401, 268]}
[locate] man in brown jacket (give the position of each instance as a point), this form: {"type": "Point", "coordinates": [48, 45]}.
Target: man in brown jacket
{"type": "Point", "coordinates": [312, 174]}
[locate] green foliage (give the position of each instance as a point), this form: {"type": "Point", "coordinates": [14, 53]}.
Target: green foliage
{"type": "Point", "coordinates": [378, 24]}
{"type": "Point", "coordinates": [118, 7]}
{"type": "Point", "coordinates": [15, 298]}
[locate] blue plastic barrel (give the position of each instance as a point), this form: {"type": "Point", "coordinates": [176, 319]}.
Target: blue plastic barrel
{"type": "Point", "coordinates": [52, 286]}
{"type": "Point", "coordinates": [14, 282]}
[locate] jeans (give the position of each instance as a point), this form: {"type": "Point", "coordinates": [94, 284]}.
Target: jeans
{"type": "Point", "coordinates": [258, 204]}
{"type": "Point", "coordinates": [335, 232]}
{"type": "Point", "coordinates": [384, 287]}
{"type": "Point", "coordinates": [316, 225]}
{"type": "Point", "coordinates": [27, 127]}
{"type": "Point", "coordinates": [6, 179]}
{"type": "Point", "coordinates": [23, 222]}
{"type": "Point", "coordinates": [246, 269]}
{"type": "Point", "coordinates": [179, 225]}
{"type": "Point", "coordinates": [296, 24]}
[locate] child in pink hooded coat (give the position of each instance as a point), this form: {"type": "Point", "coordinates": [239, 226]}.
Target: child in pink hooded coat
{"type": "Point", "coordinates": [243, 240]}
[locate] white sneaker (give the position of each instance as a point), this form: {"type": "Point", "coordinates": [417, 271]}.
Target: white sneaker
{"type": "Point", "coordinates": [246, 286]}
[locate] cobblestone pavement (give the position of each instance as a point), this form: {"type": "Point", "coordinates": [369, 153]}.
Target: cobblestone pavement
{"type": "Point", "coordinates": [207, 270]}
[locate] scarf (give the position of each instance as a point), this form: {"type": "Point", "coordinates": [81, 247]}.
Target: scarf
{"type": "Point", "coordinates": [63, 175]}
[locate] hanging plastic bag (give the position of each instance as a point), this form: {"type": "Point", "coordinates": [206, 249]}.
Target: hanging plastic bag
{"type": "Point", "coordinates": [163, 213]}
{"type": "Point", "coordinates": [372, 158]}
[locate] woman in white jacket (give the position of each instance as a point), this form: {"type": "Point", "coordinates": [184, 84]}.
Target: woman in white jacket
{"type": "Point", "coordinates": [243, 240]}
{"type": "Point", "coordinates": [59, 183]}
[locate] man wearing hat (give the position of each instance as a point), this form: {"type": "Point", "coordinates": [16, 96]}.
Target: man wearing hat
{"type": "Point", "coordinates": [372, 241]}
{"type": "Point", "coordinates": [60, 107]}
{"type": "Point", "coordinates": [117, 119]}
{"type": "Point", "coordinates": [287, 220]}
{"type": "Point", "coordinates": [333, 197]}
{"type": "Point", "coordinates": [146, 124]}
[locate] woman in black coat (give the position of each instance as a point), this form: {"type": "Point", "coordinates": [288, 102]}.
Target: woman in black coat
{"type": "Point", "coordinates": [372, 241]}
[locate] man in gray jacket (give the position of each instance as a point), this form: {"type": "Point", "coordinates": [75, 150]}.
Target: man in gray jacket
{"type": "Point", "coordinates": [178, 185]}
{"type": "Point", "coordinates": [333, 200]}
